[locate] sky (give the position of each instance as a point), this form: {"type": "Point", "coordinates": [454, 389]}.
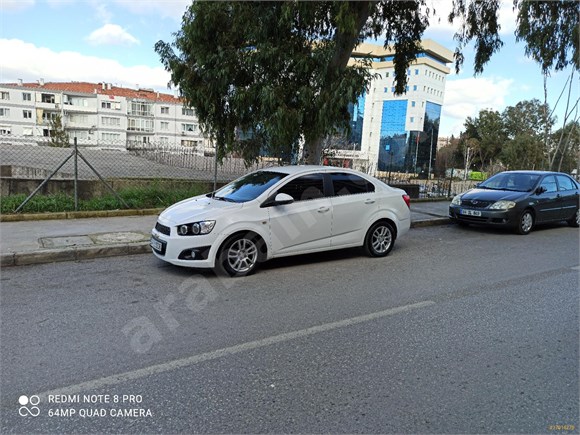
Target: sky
{"type": "Point", "coordinates": [113, 40]}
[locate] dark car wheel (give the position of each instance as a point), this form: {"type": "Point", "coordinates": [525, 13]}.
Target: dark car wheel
{"type": "Point", "coordinates": [575, 220]}
{"type": "Point", "coordinates": [525, 222]}
{"type": "Point", "coordinates": [380, 239]}
{"type": "Point", "coordinates": [239, 255]}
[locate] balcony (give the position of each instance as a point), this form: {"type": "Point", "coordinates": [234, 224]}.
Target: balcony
{"type": "Point", "coordinates": [68, 107]}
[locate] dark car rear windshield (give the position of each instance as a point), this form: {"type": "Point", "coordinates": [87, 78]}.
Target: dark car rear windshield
{"type": "Point", "coordinates": [248, 187]}
{"type": "Point", "coordinates": [518, 182]}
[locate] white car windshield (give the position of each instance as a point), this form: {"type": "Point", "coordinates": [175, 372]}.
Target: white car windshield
{"type": "Point", "coordinates": [248, 187]}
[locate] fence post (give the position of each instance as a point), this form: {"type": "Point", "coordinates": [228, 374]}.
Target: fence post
{"type": "Point", "coordinates": [450, 183]}
{"type": "Point", "coordinates": [76, 174]}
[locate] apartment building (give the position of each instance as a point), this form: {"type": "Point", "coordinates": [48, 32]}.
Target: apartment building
{"type": "Point", "coordinates": [99, 114]}
{"type": "Point", "coordinates": [398, 132]}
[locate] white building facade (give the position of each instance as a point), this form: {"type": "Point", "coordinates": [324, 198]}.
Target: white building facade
{"type": "Point", "coordinates": [99, 114]}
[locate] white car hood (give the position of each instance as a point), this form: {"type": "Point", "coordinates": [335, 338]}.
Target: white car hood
{"type": "Point", "coordinates": [197, 209]}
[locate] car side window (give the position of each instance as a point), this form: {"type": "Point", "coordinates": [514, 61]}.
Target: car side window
{"type": "Point", "coordinates": [350, 184]}
{"type": "Point", "coordinates": [565, 183]}
{"type": "Point", "coordinates": [549, 183]}
{"type": "Point", "coordinates": [305, 188]}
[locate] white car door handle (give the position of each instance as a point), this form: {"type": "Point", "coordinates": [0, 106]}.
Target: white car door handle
{"type": "Point", "coordinates": [370, 201]}
{"type": "Point", "coordinates": [323, 209]}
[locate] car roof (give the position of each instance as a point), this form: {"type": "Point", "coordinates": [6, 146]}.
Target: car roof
{"type": "Point", "coordinates": [532, 172]}
{"type": "Point", "coordinates": [298, 169]}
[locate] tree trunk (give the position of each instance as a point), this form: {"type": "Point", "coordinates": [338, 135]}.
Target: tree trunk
{"type": "Point", "coordinates": [345, 40]}
{"type": "Point", "coordinates": [313, 151]}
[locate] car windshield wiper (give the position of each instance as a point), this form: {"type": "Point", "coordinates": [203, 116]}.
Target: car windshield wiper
{"type": "Point", "coordinates": [512, 190]}
{"type": "Point", "coordinates": [223, 198]}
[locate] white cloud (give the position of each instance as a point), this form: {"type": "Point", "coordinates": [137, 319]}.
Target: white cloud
{"type": "Point", "coordinates": [111, 34]}
{"type": "Point", "coordinates": [439, 23]}
{"type": "Point", "coordinates": [30, 63]}
{"type": "Point", "coordinates": [102, 11]}
{"type": "Point", "coordinates": [15, 5]}
{"type": "Point", "coordinates": [466, 97]}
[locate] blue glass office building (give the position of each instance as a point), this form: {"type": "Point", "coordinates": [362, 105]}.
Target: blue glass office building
{"type": "Point", "coordinates": [398, 133]}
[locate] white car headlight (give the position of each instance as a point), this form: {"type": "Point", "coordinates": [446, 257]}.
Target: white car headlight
{"type": "Point", "coordinates": [195, 228]}
{"type": "Point", "coordinates": [456, 200]}
{"type": "Point", "coordinates": [502, 205]}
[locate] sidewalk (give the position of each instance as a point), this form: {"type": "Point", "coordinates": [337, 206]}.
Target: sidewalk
{"type": "Point", "coordinates": [46, 241]}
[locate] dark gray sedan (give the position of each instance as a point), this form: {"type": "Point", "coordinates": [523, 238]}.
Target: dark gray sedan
{"type": "Point", "coordinates": [520, 200]}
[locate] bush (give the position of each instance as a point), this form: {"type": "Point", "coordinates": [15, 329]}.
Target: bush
{"type": "Point", "coordinates": [153, 196]}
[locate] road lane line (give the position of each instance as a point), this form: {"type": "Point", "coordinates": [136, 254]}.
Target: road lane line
{"type": "Point", "coordinates": [208, 356]}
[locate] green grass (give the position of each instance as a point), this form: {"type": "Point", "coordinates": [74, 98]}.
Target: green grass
{"type": "Point", "coordinates": [136, 198]}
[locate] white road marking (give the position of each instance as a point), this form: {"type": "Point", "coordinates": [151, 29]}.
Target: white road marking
{"type": "Point", "coordinates": [208, 356]}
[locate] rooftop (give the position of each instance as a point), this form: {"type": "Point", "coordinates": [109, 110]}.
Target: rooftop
{"type": "Point", "coordinates": [98, 89]}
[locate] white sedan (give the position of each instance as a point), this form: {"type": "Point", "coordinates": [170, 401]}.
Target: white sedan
{"type": "Point", "coordinates": [281, 211]}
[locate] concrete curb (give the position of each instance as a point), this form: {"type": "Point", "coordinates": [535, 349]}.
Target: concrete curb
{"type": "Point", "coordinates": [430, 223]}
{"type": "Point", "coordinates": [72, 254]}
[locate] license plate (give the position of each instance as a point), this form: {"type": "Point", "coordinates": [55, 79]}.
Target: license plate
{"type": "Point", "coordinates": [470, 212]}
{"type": "Point", "coordinates": [156, 244]}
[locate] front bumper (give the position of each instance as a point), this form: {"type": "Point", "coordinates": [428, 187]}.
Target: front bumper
{"type": "Point", "coordinates": [471, 215]}
{"type": "Point", "coordinates": [188, 251]}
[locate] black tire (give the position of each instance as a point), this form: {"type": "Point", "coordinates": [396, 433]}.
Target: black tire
{"type": "Point", "coordinates": [239, 255]}
{"type": "Point", "coordinates": [380, 239]}
{"type": "Point", "coordinates": [525, 222]}
{"type": "Point", "coordinates": [574, 221]}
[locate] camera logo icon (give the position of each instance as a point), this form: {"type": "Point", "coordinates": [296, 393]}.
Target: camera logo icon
{"type": "Point", "coordinates": [28, 406]}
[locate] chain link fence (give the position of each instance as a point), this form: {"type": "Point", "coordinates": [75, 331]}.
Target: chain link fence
{"type": "Point", "coordinates": [35, 160]}
{"type": "Point", "coordinates": [22, 157]}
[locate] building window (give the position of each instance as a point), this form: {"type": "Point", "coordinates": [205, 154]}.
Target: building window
{"type": "Point", "coordinates": [137, 108]}
{"type": "Point", "coordinates": [4, 112]}
{"type": "Point", "coordinates": [186, 111]}
{"type": "Point", "coordinates": [164, 140]}
{"type": "Point", "coordinates": [414, 87]}
{"type": "Point", "coordinates": [5, 130]}
{"type": "Point", "coordinates": [113, 105]}
{"type": "Point", "coordinates": [26, 96]}
{"type": "Point", "coordinates": [4, 95]}
{"type": "Point", "coordinates": [140, 125]}
{"type": "Point", "coordinates": [416, 72]}
{"type": "Point", "coordinates": [115, 122]}
{"type": "Point", "coordinates": [110, 136]}
{"type": "Point", "coordinates": [412, 104]}
{"type": "Point", "coordinates": [49, 116]}
{"type": "Point", "coordinates": [47, 98]}
{"type": "Point", "coordinates": [164, 126]}
{"type": "Point", "coordinates": [27, 114]}
{"type": "Point", "coordinates": [412, 119]}
{"type": "Point", "coordinates": [188, 143]}
{"type": "Point", "coordinates": [192, 128]}
{"type": "Point", "coordinates": [165, 110]}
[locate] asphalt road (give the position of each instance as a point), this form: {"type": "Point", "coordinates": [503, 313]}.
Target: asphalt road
{"type": "Point", "coordinates": [456, 331]}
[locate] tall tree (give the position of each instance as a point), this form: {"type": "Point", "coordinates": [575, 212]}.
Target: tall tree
{"type": "Point", "coordinates": [58, 135]}
{"type": "Point", "coordinates": [485, 135]}
{"type": "Point", "coordinates": [279, 72]}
